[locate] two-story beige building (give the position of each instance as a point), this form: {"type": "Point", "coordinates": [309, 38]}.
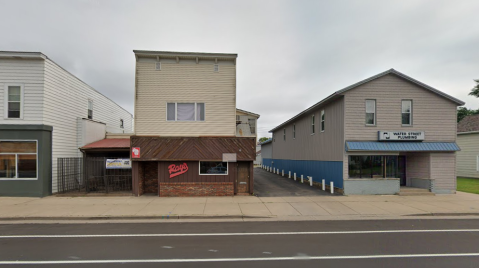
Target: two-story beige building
{"type": "Point", "coordinates": [186, 140]}
{"type": "Point", "coordinates": [373, 137]}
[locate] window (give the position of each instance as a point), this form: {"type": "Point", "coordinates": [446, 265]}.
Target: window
{"type": "Point", "coordinates": [121, 123]}
{"type": "Point", "coordinates": [312, 124]}
{"type": "Point", "coordinates": [90, 109]}
{"type": "Point", "coordinates": [294, 131]}
{"type": "Point", "coordinates": [322, 121]}
{"type": "Point", "coordinates": [373, 166]}
{"type": "Point", "coordinates": [18, 160]}
{"type": "Point", "coordinates": [370, 112]}
{"type": "Point", "coordinates": [13, 101]}
{"type": "Point", "coordinates": [213, 168]}
{"type": "Point", "coordinates": [216, 68]}
{"type": "Point", "coordinates": [252, 126]}
{"type": "Point", "coordinates": [176, 111]}
{"type": "Point", "coordinates": [284, 134]}
{"type": "Point", "coordinates": [406, 112]}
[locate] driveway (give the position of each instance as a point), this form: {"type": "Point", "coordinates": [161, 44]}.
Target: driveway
{"type": "Point", "coordinates": [269, 184]}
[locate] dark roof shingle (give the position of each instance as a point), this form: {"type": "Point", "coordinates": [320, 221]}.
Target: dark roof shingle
{"type": "Point", "coordinates": [468, 124]}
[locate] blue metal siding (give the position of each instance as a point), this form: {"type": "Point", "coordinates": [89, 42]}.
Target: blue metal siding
{"type": "Point", "coordinates": [328, 170]}
{"type": "Point", "coordinates": [402, 146]}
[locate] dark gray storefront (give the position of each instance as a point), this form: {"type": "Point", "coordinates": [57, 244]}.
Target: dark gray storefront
{"type": "Point", "coordinates": [25, 160]}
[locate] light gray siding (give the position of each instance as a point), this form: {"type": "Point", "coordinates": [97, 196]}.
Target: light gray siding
{"type": "Point", "coordinates": [418, 166]}
{"type": "Point", "coordinates": [443, 171]}
{"type": "Point", "coordinates": [66, 99]}
{"type": "Point", "coordinates": [267, 150]}
{"type": "Point", "coordinates": [467, 165]}
{"type": "Point", "coordinates": [432, 113]}
{"type": "Point", "coordinates": [28, 73]}
{"type": "Point", "coordinates": [320, 146]}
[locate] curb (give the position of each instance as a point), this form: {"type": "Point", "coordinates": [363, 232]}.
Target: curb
{"type": "Point", "coordinates": [167, 217]}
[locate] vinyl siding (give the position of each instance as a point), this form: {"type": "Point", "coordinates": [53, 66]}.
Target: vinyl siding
{"type": "Point", "coordinates": [267, 151]}
{"type": "Point", "coordinates": [431, 113]}
{"type": "Point", "coordinates": [321, 146]}
{"type": "Point", "coordinates": [443, 171]}
{"type": "Point", "coordinates": [188, 82]}
{"type": "Point", "coordinates": [418, 166]}
{"type": "Point", "coordinates": [29, 73]}
{"type": "Point", "coordinates": [467, 157]}
{"type": "Point", "coordinates": [65, 100]}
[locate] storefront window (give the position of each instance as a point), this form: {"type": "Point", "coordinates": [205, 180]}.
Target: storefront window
{"type": "Point", "coordinates": [372, 167]}
{"type": "Point", "coordinates": [213, 168]}
{"type": "Point", "coordinates": [18, 159]}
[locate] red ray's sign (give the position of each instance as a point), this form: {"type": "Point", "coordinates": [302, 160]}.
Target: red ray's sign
{"type": "Point", "coordinates": [176, 170]}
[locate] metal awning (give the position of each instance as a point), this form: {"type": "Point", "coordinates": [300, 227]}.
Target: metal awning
{"type": "Point", "coordinates": [352, 146]}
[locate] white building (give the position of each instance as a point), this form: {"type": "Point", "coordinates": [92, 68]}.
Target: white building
{"type": "Point", "coordinates": [47, 113]}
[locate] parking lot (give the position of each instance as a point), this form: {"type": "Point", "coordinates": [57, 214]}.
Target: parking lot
{"type": "Point", "coordinates": [267, 184]}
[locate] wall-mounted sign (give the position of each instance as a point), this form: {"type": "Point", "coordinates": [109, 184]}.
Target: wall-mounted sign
{"type": "Point", "coordinates": [401, 135]}
{"type": "Point", "coordinates": [135, 152]}
{"type": "Point", "coordinates": [118, 163]}
{"type": "Point", "coordinates": [176, 170]}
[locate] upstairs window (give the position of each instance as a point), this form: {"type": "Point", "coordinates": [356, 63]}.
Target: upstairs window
{"type": "Point", "coordinates": [121, 123]}
{"type": "Point", "coordinates": [13, 99]}
{"type": "Point", "coordinates": [176, 111]}
{"type": "Point", "coordinates": [322, 121]}
{"type": "Point", "coordinates": [370, 112]}
{"type": "Point", "coordinates": [312, 124]}
{"type": "Point", "coordinates": [252, 126]}
{"type": "Point", "coordinates": [294, 131]}
{"type": "Point", "coordinates": [90, 109]}
{"type": "Point", "coordinates": [284, 134]}
{"type": "Point", "coordinates": [406, 113]}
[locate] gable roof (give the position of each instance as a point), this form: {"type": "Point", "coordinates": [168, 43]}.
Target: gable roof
{"type": "Point", "coordinates": [339, 93]}
{"type": "Point", "coordinates": [246, 112]}
{"type": "Point", "coordinates": [469, 123]}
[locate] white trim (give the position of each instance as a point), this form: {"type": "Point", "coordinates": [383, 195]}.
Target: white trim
{"type": "Point", "coordinates": [5, 98]}
{"type": "Point", "coordinates": [199, 169]}
{"type": "Point", "coordinates": [16, 162]}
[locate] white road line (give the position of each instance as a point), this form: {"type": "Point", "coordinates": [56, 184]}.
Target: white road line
{"type": "Point", "coordinates": [240, 234]}
{"type": "Point", "coordinates": [244, 259]}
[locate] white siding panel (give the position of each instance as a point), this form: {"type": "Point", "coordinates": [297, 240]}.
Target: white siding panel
{"type": "Point", "coordinates": [29, 73]}
{"type": "Point", "coordinates": [443, 171]}
{"type": "Point", "coordinates": [185, 83]}
{"type": "Point", "coordinates": [65, 100]}
{"type": "Point", "coordinates": [467, 157]}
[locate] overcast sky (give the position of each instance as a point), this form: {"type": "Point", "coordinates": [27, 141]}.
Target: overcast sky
{"type": "Point", "coordinates": [291, 54]}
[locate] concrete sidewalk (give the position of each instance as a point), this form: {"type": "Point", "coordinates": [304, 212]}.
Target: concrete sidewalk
{"type": "Point", "coordinates": [238, 207]}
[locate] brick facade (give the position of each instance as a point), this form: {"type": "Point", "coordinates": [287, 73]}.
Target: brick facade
{"type": "Point", "coordinates": [151, 178]}
{"type": "Point", "coordinates": [196, 189]}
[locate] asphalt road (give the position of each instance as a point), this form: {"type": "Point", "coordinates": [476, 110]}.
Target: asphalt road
{"type": "Point", "coordinates": [405, 243]}
{"type": "Point", "coordinates": [267, 184]}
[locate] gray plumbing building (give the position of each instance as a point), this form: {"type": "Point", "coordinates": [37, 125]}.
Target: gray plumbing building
{"type": "Point", "coordinates": [373, 137]}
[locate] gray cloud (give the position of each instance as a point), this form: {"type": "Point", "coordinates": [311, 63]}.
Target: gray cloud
{"type": "Point", "coordinates": [291, 53]}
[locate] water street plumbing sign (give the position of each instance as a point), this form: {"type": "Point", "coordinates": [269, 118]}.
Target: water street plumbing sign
{"type": "Point", "coordinates": [401, 135]}
{"type": "Point", "coordinates": [121, 163]}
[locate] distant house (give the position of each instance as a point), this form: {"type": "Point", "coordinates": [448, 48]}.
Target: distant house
{"type": "Point", "coordinates": [46, 114]}
{"type": "Point", "coordinates": [246, 123]}
{"type": "Point", "coordinates": [468, 140]}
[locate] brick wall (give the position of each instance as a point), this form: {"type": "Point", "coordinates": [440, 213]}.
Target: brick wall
{"type": "Point", "coordinates": [196, 189]}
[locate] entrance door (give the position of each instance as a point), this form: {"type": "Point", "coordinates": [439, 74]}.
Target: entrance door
{"type": "Point", "coordinates": [242, 178]}
{"type": "Point", "coordinates": [402, 170]}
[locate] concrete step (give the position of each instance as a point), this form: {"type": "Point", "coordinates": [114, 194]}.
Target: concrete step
{"type": "Point", "coordinates": [414, 190]}
{"type": "Point", "coordinates": [426, 193]}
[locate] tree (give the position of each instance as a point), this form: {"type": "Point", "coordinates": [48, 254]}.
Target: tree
{"type": "Point", "coordinates": [475, 91]}
{"type": "Point", "coordinates": [263, 139]}
{"type": "Point", "coordinates": [463, 112]}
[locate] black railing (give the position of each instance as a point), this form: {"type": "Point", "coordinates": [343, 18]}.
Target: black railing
{"type": "Point", "coordinates": [91, 176]}
{"type": "Point", "coordinates": [70, 174]}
